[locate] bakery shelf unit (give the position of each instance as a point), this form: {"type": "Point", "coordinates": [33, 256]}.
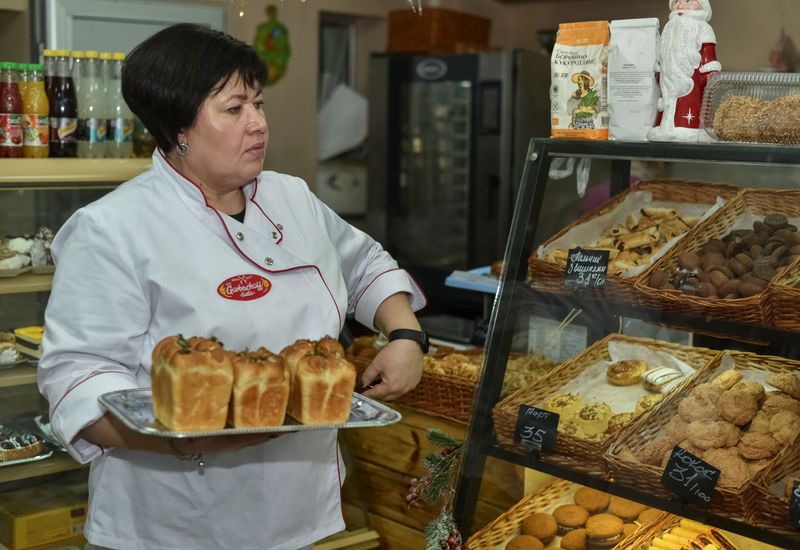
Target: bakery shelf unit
{"type": "Point", "coordinates": [33, 193]}
{"type": "Point", "coordinates": [517, 302]}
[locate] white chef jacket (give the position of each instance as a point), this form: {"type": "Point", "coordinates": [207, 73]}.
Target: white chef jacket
{"type": "Point", "coordinates": [152, 259]}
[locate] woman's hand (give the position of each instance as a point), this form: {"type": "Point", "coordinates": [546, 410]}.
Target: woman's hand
{"type": "Point", "coordinates": [395, 371]}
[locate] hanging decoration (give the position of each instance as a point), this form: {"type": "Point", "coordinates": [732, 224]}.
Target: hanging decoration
{"type": "Point", "coordinates": [438, 483]}
{"type": "Point", "coordinates": [272, 45]}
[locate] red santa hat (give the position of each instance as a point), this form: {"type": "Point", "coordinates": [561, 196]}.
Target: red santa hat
{"type": "Point", "coordinates": [705, 8]}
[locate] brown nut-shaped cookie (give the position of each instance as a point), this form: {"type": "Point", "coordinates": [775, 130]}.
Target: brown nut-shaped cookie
{"type": "Point", "coordinates": [540, 525]}
{"type": "Point", "coordinates": [727, 379]}
{"type": "Point", "coordinates": [760, 423]}
{"type": "Point", "coordinates": [787, 382]}
{"type": "Point", "coordinates": [697, 407]}
{"type": "Point", "coordinates": [652, 453]}
{"type": "Point", "coordinates": [755, 446]}
{"type": "Point", "coordinates": [756, 389]}
{"type": "Point", "coordinates": [592, 500]}
{"type": "Point", "coordinates": [676, 428]}
{"type": "Point", "coordinates": [738, 407]}
{"type": "Point", "coordinates": [733, 469]}
{"type": "Point", "coordinates": [756, 466]}
{"type": "Point", "coordinates": [708, 391]}
{"type": "Point", "coordinates": [709, 434]}
{"type": "Point", "coordinates": [784, 427]}
{"type": "Point", "coordinates": [524, 542]}
{"type": "Point", "coordinates": [779, 401]}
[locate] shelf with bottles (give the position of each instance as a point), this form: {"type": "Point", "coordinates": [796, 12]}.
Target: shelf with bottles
{"type": "Point", "coordinates": [518, 300]}
{"type": "Point", "coordinates": [67, 172]}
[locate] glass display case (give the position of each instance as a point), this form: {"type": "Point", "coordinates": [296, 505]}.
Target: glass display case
{"type": "Point", "coordinates": [639, 315]}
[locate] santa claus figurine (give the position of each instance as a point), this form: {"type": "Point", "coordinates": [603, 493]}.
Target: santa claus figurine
{"type": "Point", "coordinates": [688, 58]}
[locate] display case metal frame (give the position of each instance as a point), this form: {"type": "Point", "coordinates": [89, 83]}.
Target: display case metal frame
{"type": "Point", "coordinates": [514, 295]}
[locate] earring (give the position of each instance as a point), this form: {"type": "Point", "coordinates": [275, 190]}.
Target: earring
{"type": "Point", "coordinates": [182, 149]}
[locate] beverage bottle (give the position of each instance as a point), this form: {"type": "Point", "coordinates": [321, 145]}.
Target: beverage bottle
{"type": "Point", "coordinates": [35, 119]}
{"type": "Point", "coordinates": [63, 110]}
{"type": "Point", "coordinates": [10, 112]}
{"type": "Point", "coordinates": [120, 129]}
{"type": "Point", "coordinates": [143, 141]}
{"type": "Point", "coordinates": [49, 69]}
{"type": "Point", "coordinates": [92, 111]}
{"type": "Point", "coordinates": [104, 60]}
{"type": "Point", "coordinates": [22, 74]}
{"type": "Point", "coordinates": [78, 57]}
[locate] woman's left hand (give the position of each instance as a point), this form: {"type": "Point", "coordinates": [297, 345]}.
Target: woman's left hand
{"type": "Point", "coordinates": [397, 368]}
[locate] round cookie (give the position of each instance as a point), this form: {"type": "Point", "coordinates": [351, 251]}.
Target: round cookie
{"type": "Point", "coordinates": [569, 517]}
{"type": "Point", "coordinates": [710, 434]}
{"type": "Point", "coordinates": [733, 469]}
{"type": "Point", "coordinates": [785, 427]}
{"type": "Point", "coordinates": [626, 510]}
{"type": "Point", "coordinates": [603, 531]}
{"type": "Point", "coordinates": [738, 407]}
{"type": "Point", "coordinates": [593, 419]}
{"type": "Point", "coordinates": [760, 423]}
{"type": "Point", "coordinates": [540, 525]}
{"type": "Point", "coordinates": [628, 529]}
{"type": "Point", "coordinates": [727, 379]}
{"type": "Point", "coordinates": [524, 542]}
{"type": "Point", "coordinates": [696, 407]}
{"type": "Point", "coordinates": [592, 500]}
{"type": "Point", "coordinates": [676, 428]}
{"type": "Point", "coordinates": [652, 452]}
{"type": "Point", "coordinates": [787, 382]}
{"type": "Point", "coordinates": [626, 372]}
{"type": "Point", "coordinates": [648, 402]}
{"type": "Point", "coordinates": [710, 392]}
{"type": "Point", "coordinates": [566, 405]}
{"type": "Point", "coordinates": [574, 540]}
{"type": "Point", "coordinates": [619, 421]}
{"type": "Point", "coordinates": [779, 401]}
{"type": "Point", "coordinates": [756, 389]}
{"type": "Point", "coordinates": [756, 466]}
{"type": "Point", "coordinates": [757, 446]}
{"type": "Point", "coordinates": [650, 516]}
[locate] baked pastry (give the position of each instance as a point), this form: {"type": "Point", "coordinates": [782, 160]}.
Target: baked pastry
{"type": "Point", "coordinates": [760, 423]}
{"type": "Point", "coordinates": [709, 392]}
{"type": "Point", "coordinates": [733, 469]}
{"type": "Point", "coordinates": [655, 379]}
{"type": "Point", "coordinates": [785, 427]}
{"type": "Point", "coordinates": [322, 382]}
{"type": "Point", "coordinates": [8, 353]}
{"type": "Point", "coordinates": [619, 421]}
{"type": "Point", "coordinates": [648, 402]}
{"type": "Point", "coordinates": [569, 517]}
{"type": "Point", "coordinates": [574, 540]}
{"type": "Point", "coordinates": [727, 379]}
{"type": "Point", "coordinates": [756, 466]}
{"type": "Point", "coordinates": [779, 401]}
{"type": "Point", "coordinates": [29, 340]}
{"type": "Point", "coordinates": [592, 500]}
{"type": "Point", "coordinates": [260, 390]}
{"type": "Point", "coordinates": [603, 531]}
{"type": "Point", "coordinates": [711, 434]}
{"type": "Point", "coordinates": [540, 525]}
{"type": "Point", "coordinates": [653, 452]}
{"type": "Point", "coordinates": [756, 389]}
{"type": "Point", "coordinates": [524, 542]}
{"type": "Point", "coordinates": [593, 419]}
{"type": "Point", "coordinates": [192, 381]}
{"type": "Point", "coordinates": [738, 407]}
{"type": "Point", "coordinates": [566, 405]}
{"type": "Point", "coordinates": [624, 509]}
{"type": "Point", "coordinates": [757, 446]}
{"type": "Point", "coordinates": [650, 516]}
{"type": "Point", "coordinates": [676, 428]}
{"type": "Point", "coordinates": [16, 445]}
{"type": "Point", "coordinates": [626, 372]}
{"type": "Point", "coordinates": [628, 529]}
{"type": "Point", "coordinates": [787, 382]}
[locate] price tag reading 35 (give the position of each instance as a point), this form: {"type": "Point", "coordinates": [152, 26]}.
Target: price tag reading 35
{"type": "Point", "coordinates": [586, 268]}
{"type": "Point", "coordinates": [690, 477]}
{"type": "Point", "coordinates": [536, 429]}
{"type": "Point", "coordinates": [794, 506]}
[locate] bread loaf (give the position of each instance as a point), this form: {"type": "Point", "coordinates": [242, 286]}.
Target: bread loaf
{"type": "Point", "coordinates": [192, 381]}
{"type": "Point", "coordinates": [322, 382]}
{"type": "Point", "coordinates": [260, 390]}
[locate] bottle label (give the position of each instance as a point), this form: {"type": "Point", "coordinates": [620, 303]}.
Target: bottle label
{"type": "Point", "coordinates": [36, 130]}
{"type": "Point", "coordinates": [92, 130]}
{"type": "Point", "coordinates": [63, 130]}
{"type": "Point", "coordinates": [10, 130]}
{"type": "Point", "coordinates": [121, 130]}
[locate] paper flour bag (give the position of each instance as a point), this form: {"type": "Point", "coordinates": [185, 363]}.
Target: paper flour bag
{"type": "Point", "coordinates": [578, 98]}
{"type": "Point", "coordinates": [633, 90]}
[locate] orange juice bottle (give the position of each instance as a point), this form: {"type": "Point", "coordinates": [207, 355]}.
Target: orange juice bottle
{"type": "Point", "coordinates": [35, 117]}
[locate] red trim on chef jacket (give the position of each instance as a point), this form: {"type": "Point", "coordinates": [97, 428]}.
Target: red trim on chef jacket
{"type": "Point", "coordinates": [79, 382]}
{"type": "Point", "coordinates": [256, 264]}
{"type": "Point", "coordinates": [270, 220]}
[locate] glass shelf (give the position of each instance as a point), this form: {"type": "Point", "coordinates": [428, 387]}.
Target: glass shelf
{"type": "Point", "coordinates": [58, 173]}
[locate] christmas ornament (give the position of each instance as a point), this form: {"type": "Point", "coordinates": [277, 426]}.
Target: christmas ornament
{"type": "Point", "coordinates": [272, 45]}
{"type": "Point", "coordinates": [437, 483]}
{"type": "Point", "coordinates": [688, 57]}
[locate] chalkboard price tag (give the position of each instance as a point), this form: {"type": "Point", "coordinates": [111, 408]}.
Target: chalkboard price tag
{"type": "Point", "coordinates": [586, 268]}
{"type": "Point", "coordinates": [690, 477]}
{"type": "Point", "coordinates": [794, 506]}
{"type": "Point", "coordinates": [536, 429]}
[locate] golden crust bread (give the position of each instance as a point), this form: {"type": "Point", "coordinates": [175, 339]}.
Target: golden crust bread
{"type": "Point", "coordinates": [260, 390]}
{"type": "Point", "coordinates": [626, 372]}
{"type": "Point", "coordinates": [192, 381]}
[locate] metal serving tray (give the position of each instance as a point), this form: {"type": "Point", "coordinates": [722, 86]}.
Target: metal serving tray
{"type": "Point", "coordinates": [135, 409]}
{"type": "Point", "coordinates": [47, 452]}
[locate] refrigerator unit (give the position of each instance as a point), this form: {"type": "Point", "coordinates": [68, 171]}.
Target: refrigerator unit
{"type": "Point", "coordinates": [447, 140]}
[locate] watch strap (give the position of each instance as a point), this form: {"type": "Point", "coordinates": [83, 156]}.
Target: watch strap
{"type": "Point", "coordinates": [419, 336]}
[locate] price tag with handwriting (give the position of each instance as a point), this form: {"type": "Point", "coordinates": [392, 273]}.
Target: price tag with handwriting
{"type": "Point", "coordinates": [690, 477]}
{"type": "Point", "coordinates": [794, 506]}
{"type": "Point", "coordinates": [536, 429]}
{"type": "Point", "coordinates": [586, 268]}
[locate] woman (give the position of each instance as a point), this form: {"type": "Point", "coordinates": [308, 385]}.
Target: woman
{"type": "Point", "coordinates": [171, 252]}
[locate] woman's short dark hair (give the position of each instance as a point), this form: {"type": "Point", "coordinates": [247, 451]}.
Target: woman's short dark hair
{"type": "Point", "coordinates": [166, 78]}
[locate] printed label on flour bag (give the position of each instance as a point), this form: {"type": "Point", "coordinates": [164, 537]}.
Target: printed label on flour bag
{"type": "Point", "coordinates": [633, 90]}
{"type": "Point", "coordinates": [578, 87]}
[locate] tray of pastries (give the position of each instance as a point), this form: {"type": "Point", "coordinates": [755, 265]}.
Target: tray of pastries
{"type": "Point", "coordinates": [201, 389]}
{"type": "Point", "coordinates": [18, 446]}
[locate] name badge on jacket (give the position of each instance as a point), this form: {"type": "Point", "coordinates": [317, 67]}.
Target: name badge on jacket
{"type": "Point", "coordinates": [244, 287]}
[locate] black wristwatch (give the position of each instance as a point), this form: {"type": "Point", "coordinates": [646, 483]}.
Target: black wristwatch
{"type": "Point", "coordinates": [419, 336]}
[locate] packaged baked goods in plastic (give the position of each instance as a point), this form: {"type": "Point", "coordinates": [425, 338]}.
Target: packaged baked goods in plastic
{"type": "Point", "coordinates": [753, 108]}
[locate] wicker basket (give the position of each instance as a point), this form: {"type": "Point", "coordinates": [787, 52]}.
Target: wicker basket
{"type": "Point", "coordinates": [732, 501]}
{"type": "Point", "coordinates": [642, 538]}
{"type": "Point", "coordinates": [784, 296]}
{"type": "Point", "coordinates": [755, 310]}
{"type": "Point", "coordinates": [772, 510]}
{"type": "Point", "coordinates": [549, 277]}
{"type": "Point", "coordinates": [545, 500]}
{"type": "Point", "coordinates": [572, 452]}
{"type": "Point", "coordinates": [437, 30]}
